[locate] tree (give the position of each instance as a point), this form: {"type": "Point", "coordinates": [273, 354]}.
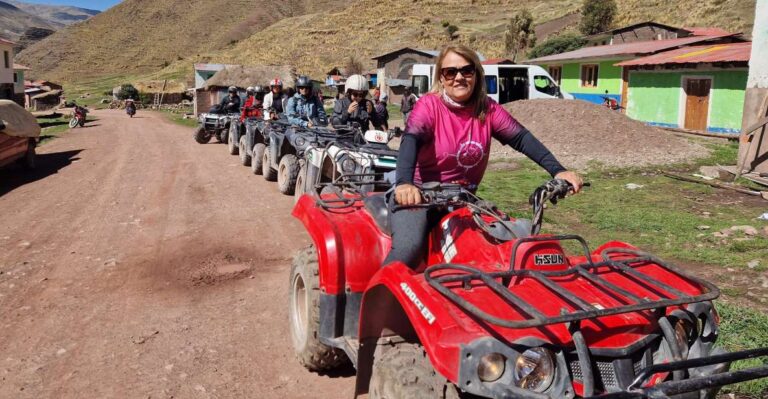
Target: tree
{"type": "Point", "coordinates": [597, 16]}
{"type": "Point", "coordinates": [127, 91]}
{"type": "Point", "coordinates": [557, 45]}
{"type": "Point", "coordinates": [519, 34]}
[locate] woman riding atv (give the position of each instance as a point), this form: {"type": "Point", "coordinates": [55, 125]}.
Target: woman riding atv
{"type": "Point", "coordinates": [305, 109]}
{"type": "Point", "coordinates": [253, 103]}
{"type": "Point", "coordinates": [275, 100]}
{"type": "Point", "coordinates": [448, 139]}
{"type": "Point", "coordinates": [354, 107]}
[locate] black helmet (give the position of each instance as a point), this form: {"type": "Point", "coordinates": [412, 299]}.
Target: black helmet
{"type": "Point", "coordinates": [232, 89]}
{"type": "Point", "coordinates": [259, 89]}
{"type": "Point", "coordinates": [303, 81]}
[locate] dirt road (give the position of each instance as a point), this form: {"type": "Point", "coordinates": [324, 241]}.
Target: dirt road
{"type": "Point", "coordinates": [136, 263]}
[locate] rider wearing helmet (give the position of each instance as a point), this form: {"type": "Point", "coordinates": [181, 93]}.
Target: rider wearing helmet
{"type": "Point", "coordinates": [253, 104]}
{"type": "Point", "coordinates": [354, 107]}
{"type": "Point", "coordinates": [305, 109]}
{"type": "Point", "coordinates": [230, 104]}
{"type": "Point", "coordinates": [274, 101]}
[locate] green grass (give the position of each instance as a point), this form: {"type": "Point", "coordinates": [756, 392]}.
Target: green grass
{"type": "Point", "coordinates": [178, 118]}
{"type": "Point", "coordinates": [55, 125]}
{"type": "Point", "coordinates": [662, 218]}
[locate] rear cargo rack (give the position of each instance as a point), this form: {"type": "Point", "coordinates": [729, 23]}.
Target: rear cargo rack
{"type": "Point", "coordinates": [627, 266]}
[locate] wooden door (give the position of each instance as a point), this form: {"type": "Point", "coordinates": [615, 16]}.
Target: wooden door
{"type": "Point", "coordinates": [697, 103]}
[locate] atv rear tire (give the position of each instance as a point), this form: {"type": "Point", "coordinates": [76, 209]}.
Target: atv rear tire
{"type": "Point", "coordinates": [301, 181]}
{"type": "Point", "coordinates": [257, 158]}
{"type": "Point", "coordinates": [245, 159]}
{"type": "Point", "coordinates": [202, 136]}
{"type": "Point", "coordinates": [403, 371]}
{"type": "Point", "coordinates": [266, 167]}
{"type": "Point", "coordinates": [30, 156]}
{"type": "Point", "coordinates": [304, 314]}
{"type": "Point", "coordinates": [231, 143]}
{"type": "Point", "coordinates": [287, 172]}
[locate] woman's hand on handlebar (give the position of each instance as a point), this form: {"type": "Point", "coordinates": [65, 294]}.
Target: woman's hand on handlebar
{"type": "Point", "coordinates": [407, 194]}
{"type": "Point", "coordinates": [573, 178]}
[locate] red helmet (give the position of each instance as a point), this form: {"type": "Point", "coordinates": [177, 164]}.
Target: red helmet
{"type": "Point", "coordinates": [276, 82]}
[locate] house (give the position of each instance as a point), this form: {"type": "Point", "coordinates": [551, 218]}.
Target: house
{"type": "Point", "coordinates": [203, 72]}
{"type": "Point", "coordinates": [591, 73]}
{"type": "Point", "coordinates": [641, 32]}
{"type": "Point", "coordinates": [393, 69]}
{"type": "Point", "coordinates": [698, 88]}
{"type": "Point", "coordinates": [37, 87]}
{"type": "Point", "coordinates": [45, 100]}
{"type": "Point", "coordinates": [18, 82]}
{"type": "Point", "coordinates": [8, 74]}
{"type": "Point", "coordinates": [215, 88]}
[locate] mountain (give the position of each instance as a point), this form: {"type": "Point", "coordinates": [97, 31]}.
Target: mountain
{"type": "Point", "coordinates": [144, 36]}
{"type": "Point", "coordinates": [15, 21]}
{"type": "Point", "coordinates": [63, 15]}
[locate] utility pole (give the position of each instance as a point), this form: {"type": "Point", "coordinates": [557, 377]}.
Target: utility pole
{"type": "Point", "coordinates": [753, 142]}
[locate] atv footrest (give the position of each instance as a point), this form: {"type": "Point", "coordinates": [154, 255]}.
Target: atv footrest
{"type": "Point", "coordinates": [624, 262]}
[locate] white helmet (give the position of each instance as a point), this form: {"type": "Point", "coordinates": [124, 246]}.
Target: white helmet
{"type": "Point", "coordinates": [357, 82]}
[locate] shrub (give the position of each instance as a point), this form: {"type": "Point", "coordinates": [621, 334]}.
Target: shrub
{"type": "Point", "coordinates": [127, 91]}
{"type": "Point", "coordinates": [557, 45]}
{"type": "Point", "coordinates": [597, 16]}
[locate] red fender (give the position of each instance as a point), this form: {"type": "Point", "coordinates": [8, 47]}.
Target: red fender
{"type": "Point", "coordinates": [349, 245]}
{"type": "Point", "coordinates": [399, 302]}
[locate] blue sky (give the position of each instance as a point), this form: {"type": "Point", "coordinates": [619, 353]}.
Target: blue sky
{"type": "Point", "coordinates": [92, 4]}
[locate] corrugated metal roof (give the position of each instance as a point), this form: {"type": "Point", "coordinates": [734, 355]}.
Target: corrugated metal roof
{"type": "Point", "coordinates": [706, 31]}
{"type": "Point", "coordinates": [729, 52]}
{"type": "Point", "coordinates": [627, 49]}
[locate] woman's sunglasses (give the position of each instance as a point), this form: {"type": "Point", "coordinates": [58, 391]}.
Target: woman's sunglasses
{"type": "Point", "coordinates": [450, 73]}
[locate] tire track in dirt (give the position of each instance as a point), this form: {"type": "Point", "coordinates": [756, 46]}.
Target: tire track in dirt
{"type": "Point", "coordinates": [151, 267]}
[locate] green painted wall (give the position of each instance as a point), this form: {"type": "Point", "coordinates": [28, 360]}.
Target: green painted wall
{"type": "Point", "coordinates": [655, 97]}
{"type": "Point", "coordinates": [608, 78]}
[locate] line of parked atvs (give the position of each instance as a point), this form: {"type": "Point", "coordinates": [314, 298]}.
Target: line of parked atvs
{"type": "Point", "coordinates": [495, 310]}
{"type": "Point", "coordinates": [301, 158]}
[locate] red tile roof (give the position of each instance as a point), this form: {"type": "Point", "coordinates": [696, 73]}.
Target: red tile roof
{"type": "Point", "coordinates": [7, 41]}
{"type": "Point", "coordinates": [627, 49]}
{"type": "Point", "coordinates": [728, 52]}
{"type": "Point", "coordinates": [20, 67]}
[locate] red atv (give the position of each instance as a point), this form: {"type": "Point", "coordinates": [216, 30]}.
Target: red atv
{"type": "Point", "coordinates": [498, 310]}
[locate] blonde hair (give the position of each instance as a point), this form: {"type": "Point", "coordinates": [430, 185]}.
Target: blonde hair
{"type": "Point", "coordinates": [478, 99]}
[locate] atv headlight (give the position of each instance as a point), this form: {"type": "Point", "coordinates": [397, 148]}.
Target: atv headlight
{"type": "Point", "coordinates": [348, 165]}
{"type": "Point", "coordinates": [534, 369]}
{"type": "Point", "coordinates": [491, 367]}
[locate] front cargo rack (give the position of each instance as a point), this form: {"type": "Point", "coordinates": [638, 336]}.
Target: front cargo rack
{"type": "Point", "coordinates": [627, 266]}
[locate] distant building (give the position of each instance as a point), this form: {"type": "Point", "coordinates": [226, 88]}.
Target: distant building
{"type": "Point", "coordinates": [215, 87]}
{"type": "Point", "coordinates": [9, 79]}
{"type": "Point", "coordinates": [203, 72]}
{"type": "Point", "coordinates": [18, 80]}
{"type": "Point", "coordinates": [394, 69]}
{"type": "Point", "coordinates": [601, 71]}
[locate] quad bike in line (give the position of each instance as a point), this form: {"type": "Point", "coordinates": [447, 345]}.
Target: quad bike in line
{"type": "Point", "coordinates": [498, 309]}
{"type": "Point", "coordinates": [78, 117]}
{"type": "Point", "coordinates": [212, 124]}
{"type": "Point", "coordinates": [287, 146]}
{"type": "Point", "coordinates": [252, 142]}
{"type": "Point", "coordinates": [363, 161]}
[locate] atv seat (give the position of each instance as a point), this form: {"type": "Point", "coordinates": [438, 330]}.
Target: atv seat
{"type": "Point", "coordinates": [377, 207]}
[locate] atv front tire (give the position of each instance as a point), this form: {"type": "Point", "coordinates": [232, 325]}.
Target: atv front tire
{"type": "Point", "coordinates": [257, 158]}
{"type": "Point", "coordinates": [403, 371]}
{"type": "Point", "coordinates": [287, 172]}
{"type": "Point", "coordinates": [202, 136]}
{"type": "Point", "coordinates": [304, 314]}
{"type": "Point", "coordinates": [266, 168]}
{"type": "Point", "coordinates": [231, 143]}
{"type": "Point", "coordinates": [29, 160]}
{"type": "Point", "coordinates": [301, 181]}
{"type": "Point", "coordinates": [245, 159]}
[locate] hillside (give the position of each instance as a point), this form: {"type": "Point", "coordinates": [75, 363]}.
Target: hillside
{"type": "Point", "coordinates": [15, 21]}
{"type": "Point", "coordinates": [318, 35]}
{"type": "Point", "coordinates": [140, 36]}
{"type": "Point", "coordinates": [63, 15]}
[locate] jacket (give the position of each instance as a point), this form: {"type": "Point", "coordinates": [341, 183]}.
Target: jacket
{"type": "Point", "coordinates": [278, 106]}
{"type": "Point", "coordinates": [341, 115]}
{"type": "Point", "coordinates": [234, 109]}
{"type": "Point", "coordinates": [300, 110]}
{"type": "Point", "coordinates": [251, 109]}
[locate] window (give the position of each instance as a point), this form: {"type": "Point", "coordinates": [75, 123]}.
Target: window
{"type": "Point", "coordinates": [589, 75]}
{"type": "Point", "coordinates": [7, 58]}
{"type": "Point", "coordinates": [544, 85]}
{"type": "Point", "coordinates": [555, 72]}
{"type": "Point", "coordinates": [15, 77]}
{"type": "Point", "coordinates": [491, 84]}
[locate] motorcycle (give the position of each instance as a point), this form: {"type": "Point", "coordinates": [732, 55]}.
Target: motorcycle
{"type": "Point", "coordinates": [78, 117]}
{"type": "Point", "coordinates": [130, 108]}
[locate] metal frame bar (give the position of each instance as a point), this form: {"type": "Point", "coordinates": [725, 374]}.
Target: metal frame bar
{"type": "Point", "coordinates": [583, 309]}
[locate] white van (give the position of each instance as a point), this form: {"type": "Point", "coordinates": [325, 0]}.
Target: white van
{"type": "Point", "coordinates": [505, 83]}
